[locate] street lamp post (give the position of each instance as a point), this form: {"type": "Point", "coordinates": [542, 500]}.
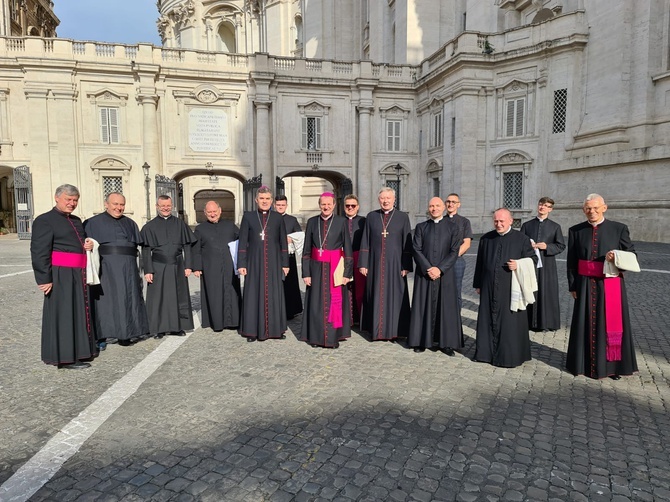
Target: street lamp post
{"type": "Point", "coordinates": [147, 187]}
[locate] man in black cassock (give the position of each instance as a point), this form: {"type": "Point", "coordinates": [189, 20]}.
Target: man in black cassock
{"type": "Point", "coordinates": [117, 302]}
{"type": "Point", "coordinates": [355, 225]}
{"type": "Point", "coordinates": [547, 238]}
{"type": "Point", "coordinates": [502, 334]}
{"type": "Point", "coordinates": [590, 348]}
{"type": "Point", "coordinates": [436, 316]}
{"type": "Point", "coordinates": [219, 284]}
{"type": "Point", "coordinates": [262, 259]}
{"type": "Point", "coordinates": [327, 318]}
{"type": "Point", "coordinates": [292, 294]}
{"type": "Point", "coordinates": [453, 204]}
{"type": "Point", "coordinates": [385, 259]}
{"type": "Point", "coordinates": [58, 252]}
{"type": "Point", "coordinates": [167, 257]}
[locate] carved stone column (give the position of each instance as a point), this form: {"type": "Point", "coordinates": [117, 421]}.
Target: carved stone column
{"type": "Point", "coordinates": [263, 154]}
{"type": "Point", "coordinates": [364, 171]}
{"type": "Point", "coordinates": [150, 145]}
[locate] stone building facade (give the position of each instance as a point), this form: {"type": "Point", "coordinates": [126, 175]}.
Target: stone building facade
{"type": "Point", "coordinates": [35, 18]}
{"type": "Point", "coordinates": [502, 101]}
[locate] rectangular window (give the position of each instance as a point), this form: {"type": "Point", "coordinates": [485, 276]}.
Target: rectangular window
{"type": "Point", "coordinates": [436, 187]}
{"type": "Point", "coordinates": [111, 184]}
{"type": "Point", "coordinates": [393, 135]}
{"type": "Point", "coordinates": [436, 137]}
{"type": "Point", "coordinates": [513, 190]}
{"type": "Point", "coordinates": [560, 109]}
{"type": "Point", "coordinates": [109, 125]}
{"type": "Point", "coordinates": [514, 117]}
{"type": "Point", "coordinates": [311, 133]}
{"type": "Point", "coordinates": [453, 130]}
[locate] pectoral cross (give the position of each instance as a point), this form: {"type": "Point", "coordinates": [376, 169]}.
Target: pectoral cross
{"type": "Point", "coordinates": [385, 233]}
{"type": "Point", "coordinates": [263, 235]}
{"type": "Point", "coordinates": [320, 251]}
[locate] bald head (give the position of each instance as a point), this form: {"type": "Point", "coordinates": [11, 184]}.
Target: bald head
{"type": "Point", "coordinates": [436, 208]}
{"type": "Point", "coordinates": [502, 220]}
{"type": "Point", "coordinates": [213, 211]}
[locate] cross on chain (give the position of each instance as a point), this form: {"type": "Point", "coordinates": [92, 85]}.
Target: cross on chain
{"type": "Point", "coordinates": [385, 233]}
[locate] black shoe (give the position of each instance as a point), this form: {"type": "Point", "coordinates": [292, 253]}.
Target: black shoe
{"type": "Point", "coordinates": [125, 343]}
{"type": "Point", "coordinates": [250, 339]}
{"type": "Point", "coordinates": [283, 337]}
{"type": "Point", "coordinates": [615, 377]}
{"type": "Point", "coordinates": [75, 366]}
{"type": "Point", "coordinates": [178, 333]}
{"type": "Point", "coordinates": [419, 349]}
{"type": "Point", "coordinates": [448, 351]}
{"type": "Point", "coordinates": [111, 340]}
{"type": "Point", "coordinates": [159, 335]}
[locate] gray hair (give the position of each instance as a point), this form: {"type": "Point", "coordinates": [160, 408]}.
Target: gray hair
{"type": "Point", "coordinates": [66, 189]}
{"type": "Point", "coordinates": [114, 193]}
{"type": "Point", "coordinates": [386, 189]}
{"type": "Point", "coordinates": [509, 213]}
{"type": "Point", "coordinates": [593, 196]}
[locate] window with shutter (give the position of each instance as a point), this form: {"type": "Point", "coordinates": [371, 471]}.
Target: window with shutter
{"type": "Point", "coordinates": [393, 128]}
{"type": "Point", "coordinates": [311, 133]}
{"type": "Point", "coordinates": [109, 125]}
{"type": "Point", "coordinates": [515, 117]}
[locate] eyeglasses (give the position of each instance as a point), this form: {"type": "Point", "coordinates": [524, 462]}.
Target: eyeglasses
{"type": "Point", "coordinates": [351, 206]}
{"type": "Point", "coordinates": [452, 202]}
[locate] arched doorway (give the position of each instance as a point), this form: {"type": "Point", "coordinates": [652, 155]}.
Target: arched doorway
{"type": "Point", "coordinates": [226, 38]}
{"type": "Point", "coordinates": [225, 199]}
{"type": "Point", "coordinates": [201, 185]}
{"type": "Point", "coordinates": [303, 188]}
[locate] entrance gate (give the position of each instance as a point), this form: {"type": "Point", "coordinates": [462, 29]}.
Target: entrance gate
{"type": "Point", "coordinates": [250, 186]}
{"type": "Point", "coordinates": [23, 200]}
{"type": "Point", "coordinates": [168, 186]}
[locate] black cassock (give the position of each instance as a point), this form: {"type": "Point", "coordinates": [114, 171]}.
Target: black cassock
{"type": "Point", "coordinates": [118, 303]}
{"type": "Point", "coordinates": [436, 317]}
{"type": "Point", "coordinates": [386, 310]}
{"type": "Point", "coordinates": [332, 234]}
{"type": "Point", "coordinates": [264, 256]}
{"type": "Point", "coordinates": [292, 294]}
{"type": "Point", "coordinates": [545, 313]}
{"type": "Point", "coordinates": [588, 337]}
{"type": "Point", "coordinates": [167, 249]}
{"type": "Point", "coordinates": [357, 287]}
{"type": "Point", "coordinates": [502, 335]}
{"type": "Point", "coordinates": [67, 330]}
{"type": "Point", "coordinates": [219, 284]}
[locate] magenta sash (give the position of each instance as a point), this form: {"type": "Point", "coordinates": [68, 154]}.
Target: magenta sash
{"type": "Point", "coordinates": [332, 257]}
{"type": "Point", "coordinates": [71, 260]}
{"type": "Point", "coordinates": [613, 308]}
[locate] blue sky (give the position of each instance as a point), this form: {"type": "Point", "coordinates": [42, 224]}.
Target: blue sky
{"type": "Point", "coordinates": [124, 21]}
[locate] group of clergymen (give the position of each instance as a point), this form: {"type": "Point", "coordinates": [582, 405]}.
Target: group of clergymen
{"type": "Point", "coordinates": [355, 272]}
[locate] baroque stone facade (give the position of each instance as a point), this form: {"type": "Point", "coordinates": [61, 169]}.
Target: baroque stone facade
{"type": "Point", "coordinates": [502, 101]}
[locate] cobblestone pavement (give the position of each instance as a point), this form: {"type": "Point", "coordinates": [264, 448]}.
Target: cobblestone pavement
{"type": "Point", "coordinates": [225, 420]}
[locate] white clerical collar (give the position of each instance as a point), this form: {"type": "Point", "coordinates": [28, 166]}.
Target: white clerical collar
{"type": "Point", "coordinates": [165, 217]}
{"type": "Point", "coordinates": [542, 219]}
{"type": "Point", "coordinates": [597, 223]}
{"type": "Point", "coordinates": [326, 219]}
{"type": "Point", "coordinates": [451, 215]}
{"type": "Point", "coordinates": [505, 233]}
{"type": "Point", "coordinates": [387, 212]}
{"type": "Point", "coordinates": [437, 220]}
{"type": "Point", "coordinates": [352, 217]}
